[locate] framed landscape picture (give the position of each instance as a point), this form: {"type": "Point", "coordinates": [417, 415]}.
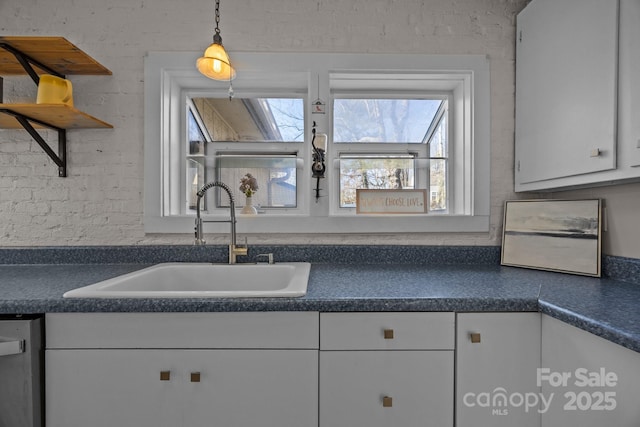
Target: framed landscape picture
{"type": "Point", "coordinates": [556, 235]}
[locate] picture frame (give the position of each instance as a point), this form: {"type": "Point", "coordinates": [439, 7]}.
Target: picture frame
{"type": "Point", "coordinates": [554, 235]}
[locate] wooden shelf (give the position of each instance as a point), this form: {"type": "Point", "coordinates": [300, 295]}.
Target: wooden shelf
{"type": "Point", "coordinates": [34, 56]}
{"type": "Point", "coordinates": [56, 53]}
{"type": "Point", "coordinates": [57, 115]}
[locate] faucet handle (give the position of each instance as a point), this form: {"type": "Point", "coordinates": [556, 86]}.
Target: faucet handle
{"type": "Point", "coordinates": [240, 249]}
{"type": "Point", "coordinates": [269, 257]}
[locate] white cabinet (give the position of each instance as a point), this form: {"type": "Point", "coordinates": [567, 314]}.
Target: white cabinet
{"type": "Point", "coordinates": [497, 358]}
{"type": "Point", "coordinates": [386, 369]}
{"type": "Point", "coordinates": [591, 381]}
{"type": "Point", "coordinates": [245, 369]}
{"type": "Point", "coordinates": [629, 89]}
{"type": "Point", "coordinates": [343, 369]}
{"type": "Point", "coordinates": [576, 94]}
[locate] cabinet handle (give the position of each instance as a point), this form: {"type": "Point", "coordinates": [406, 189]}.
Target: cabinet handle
{"type": "Point", "coordinates": [388, 334]}
{"type": "Point", "coordinates": [475, 337]}
{"type": "Point", "coordinates": [387, 402]}
{"type": "Point", "coordinates": [8, 348]}
{"type": "Point", "coordinates": [195, 377]}
{"type": "Point", "coordinates": [165, 375]}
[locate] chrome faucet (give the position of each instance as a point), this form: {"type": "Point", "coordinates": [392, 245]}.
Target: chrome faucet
{"type": "Point", "coordinates": [234, 249]}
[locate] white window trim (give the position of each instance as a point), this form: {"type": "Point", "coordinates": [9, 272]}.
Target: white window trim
{"type": "Point", "coordinates": [169, 75]}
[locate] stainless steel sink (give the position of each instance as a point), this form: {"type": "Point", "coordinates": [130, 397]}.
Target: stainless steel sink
{"type": "Point", "coordinates": [202, 280]}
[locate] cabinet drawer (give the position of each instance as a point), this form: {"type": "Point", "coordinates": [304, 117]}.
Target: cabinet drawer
{"type": "Point", "coordinates": [183, 330]}
{"type": "Point", "coordinates": [387, 331]}
{"type": "Point", "coordinates": [386, 388]}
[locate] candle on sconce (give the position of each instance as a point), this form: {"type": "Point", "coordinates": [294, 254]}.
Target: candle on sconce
{"type": "Point", "coordinates": [321, 141]}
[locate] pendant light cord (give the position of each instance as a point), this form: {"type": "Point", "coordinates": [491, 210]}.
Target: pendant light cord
{"type": "Point", "coordinates": [217, 16]}
{"type": "Point", "coordinates": [219, 39]}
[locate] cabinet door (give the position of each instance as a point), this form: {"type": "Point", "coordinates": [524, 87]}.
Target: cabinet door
{"type": "Point", "coordinates": [498, 355]}
{"type": "Point", "coordinates": [106, 388]}
{"type": "Point", "coordinates": [629, 86]}
{"type": "Point", "coordinates": [190, 388]}
{"type": "Point", "coordinates": [566, 81]}
{"type": "Point", "coordinates": [386, 388]}
{"type": "Point", "coordinates": [592, 381]}
{"type": "Point", "coordinates": [252, 388]}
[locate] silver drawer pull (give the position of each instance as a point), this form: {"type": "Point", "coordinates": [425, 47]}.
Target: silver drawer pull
{"type": "Point", "coordinates": [8, 348]}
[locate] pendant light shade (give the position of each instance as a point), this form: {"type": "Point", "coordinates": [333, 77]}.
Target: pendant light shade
{"type": "Point", "coordinates": [215, 62]}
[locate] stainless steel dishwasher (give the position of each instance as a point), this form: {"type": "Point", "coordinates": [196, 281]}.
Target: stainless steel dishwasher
{"type": "Point", "coordinates": [21, 357]}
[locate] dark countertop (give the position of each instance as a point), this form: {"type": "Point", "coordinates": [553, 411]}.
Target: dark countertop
{"type": "Point", "coordinates": [605, 307]}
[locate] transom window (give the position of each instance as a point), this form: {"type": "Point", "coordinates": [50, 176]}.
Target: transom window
{"type": "Point", "coordinates": [388, 120]}
{"type": "Point", "coordinates": [423, 124]}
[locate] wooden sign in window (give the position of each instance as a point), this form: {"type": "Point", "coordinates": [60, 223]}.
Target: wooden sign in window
{"type": "Point", "coordinates": [391, 201]}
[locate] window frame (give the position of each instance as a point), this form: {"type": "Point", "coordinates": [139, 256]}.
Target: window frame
{"type": "Point", "coordinates": [170, 76]}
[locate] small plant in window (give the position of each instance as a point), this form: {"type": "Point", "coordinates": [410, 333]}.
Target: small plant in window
{"type": "Point", "coordinates": [248, 185]}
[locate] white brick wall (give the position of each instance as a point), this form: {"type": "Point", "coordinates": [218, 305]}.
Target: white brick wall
{"type": "Point", "coordinates": [100, 203]}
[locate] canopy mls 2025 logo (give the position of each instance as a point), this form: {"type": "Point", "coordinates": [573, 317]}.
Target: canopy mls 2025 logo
{"type": "Point", "coordinates": [577, 390]}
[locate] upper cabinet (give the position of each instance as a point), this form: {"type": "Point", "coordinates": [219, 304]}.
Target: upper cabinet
{"type": "Point", "coordinates": [576, 100]}
{"type": "Point", "coordinates": [46, 55]}
{"type": "Point", "coordinates": [629, 86]}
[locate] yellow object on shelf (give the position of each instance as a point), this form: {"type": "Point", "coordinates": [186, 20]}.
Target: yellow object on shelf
{"type": "Point", "coordinates": [54, 90]}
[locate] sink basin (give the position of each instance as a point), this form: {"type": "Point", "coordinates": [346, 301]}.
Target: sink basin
{"type": "Point", "coordinates": [202, 280]}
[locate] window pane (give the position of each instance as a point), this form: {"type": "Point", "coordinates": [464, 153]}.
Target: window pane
{"type": "Point", "coordinates": [439, 152]}
{"type": "Point", "coordinates": [438, 187]}
{"type": "Point", "coordinates": [195, 180]}
{"type": "Point", "coordinates": [438, 144]}
{"type": "Point", "coordinates": [253, 119]}
{"type": "Point", "coordinates": [197, 139]}
{"type": "Point", "coordinates": [383, 120]}
{"type": "Point", "coordinates": [275, 174]}
{"type": "Point", "coordinates": [374, 172]}
{"type": "Point", "coordinates": [195, 159]}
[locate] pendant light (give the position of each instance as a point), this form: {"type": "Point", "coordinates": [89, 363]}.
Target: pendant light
{"type": "Point", "coordinates": [215, 62]}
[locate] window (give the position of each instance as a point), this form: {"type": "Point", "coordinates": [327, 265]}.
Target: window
{"type": "Point", "coordinates": [241, 134]}
{"type": "Point", "coordinates": [403, 143]}
{"type": "Point", "coordinates": [418, 122]}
